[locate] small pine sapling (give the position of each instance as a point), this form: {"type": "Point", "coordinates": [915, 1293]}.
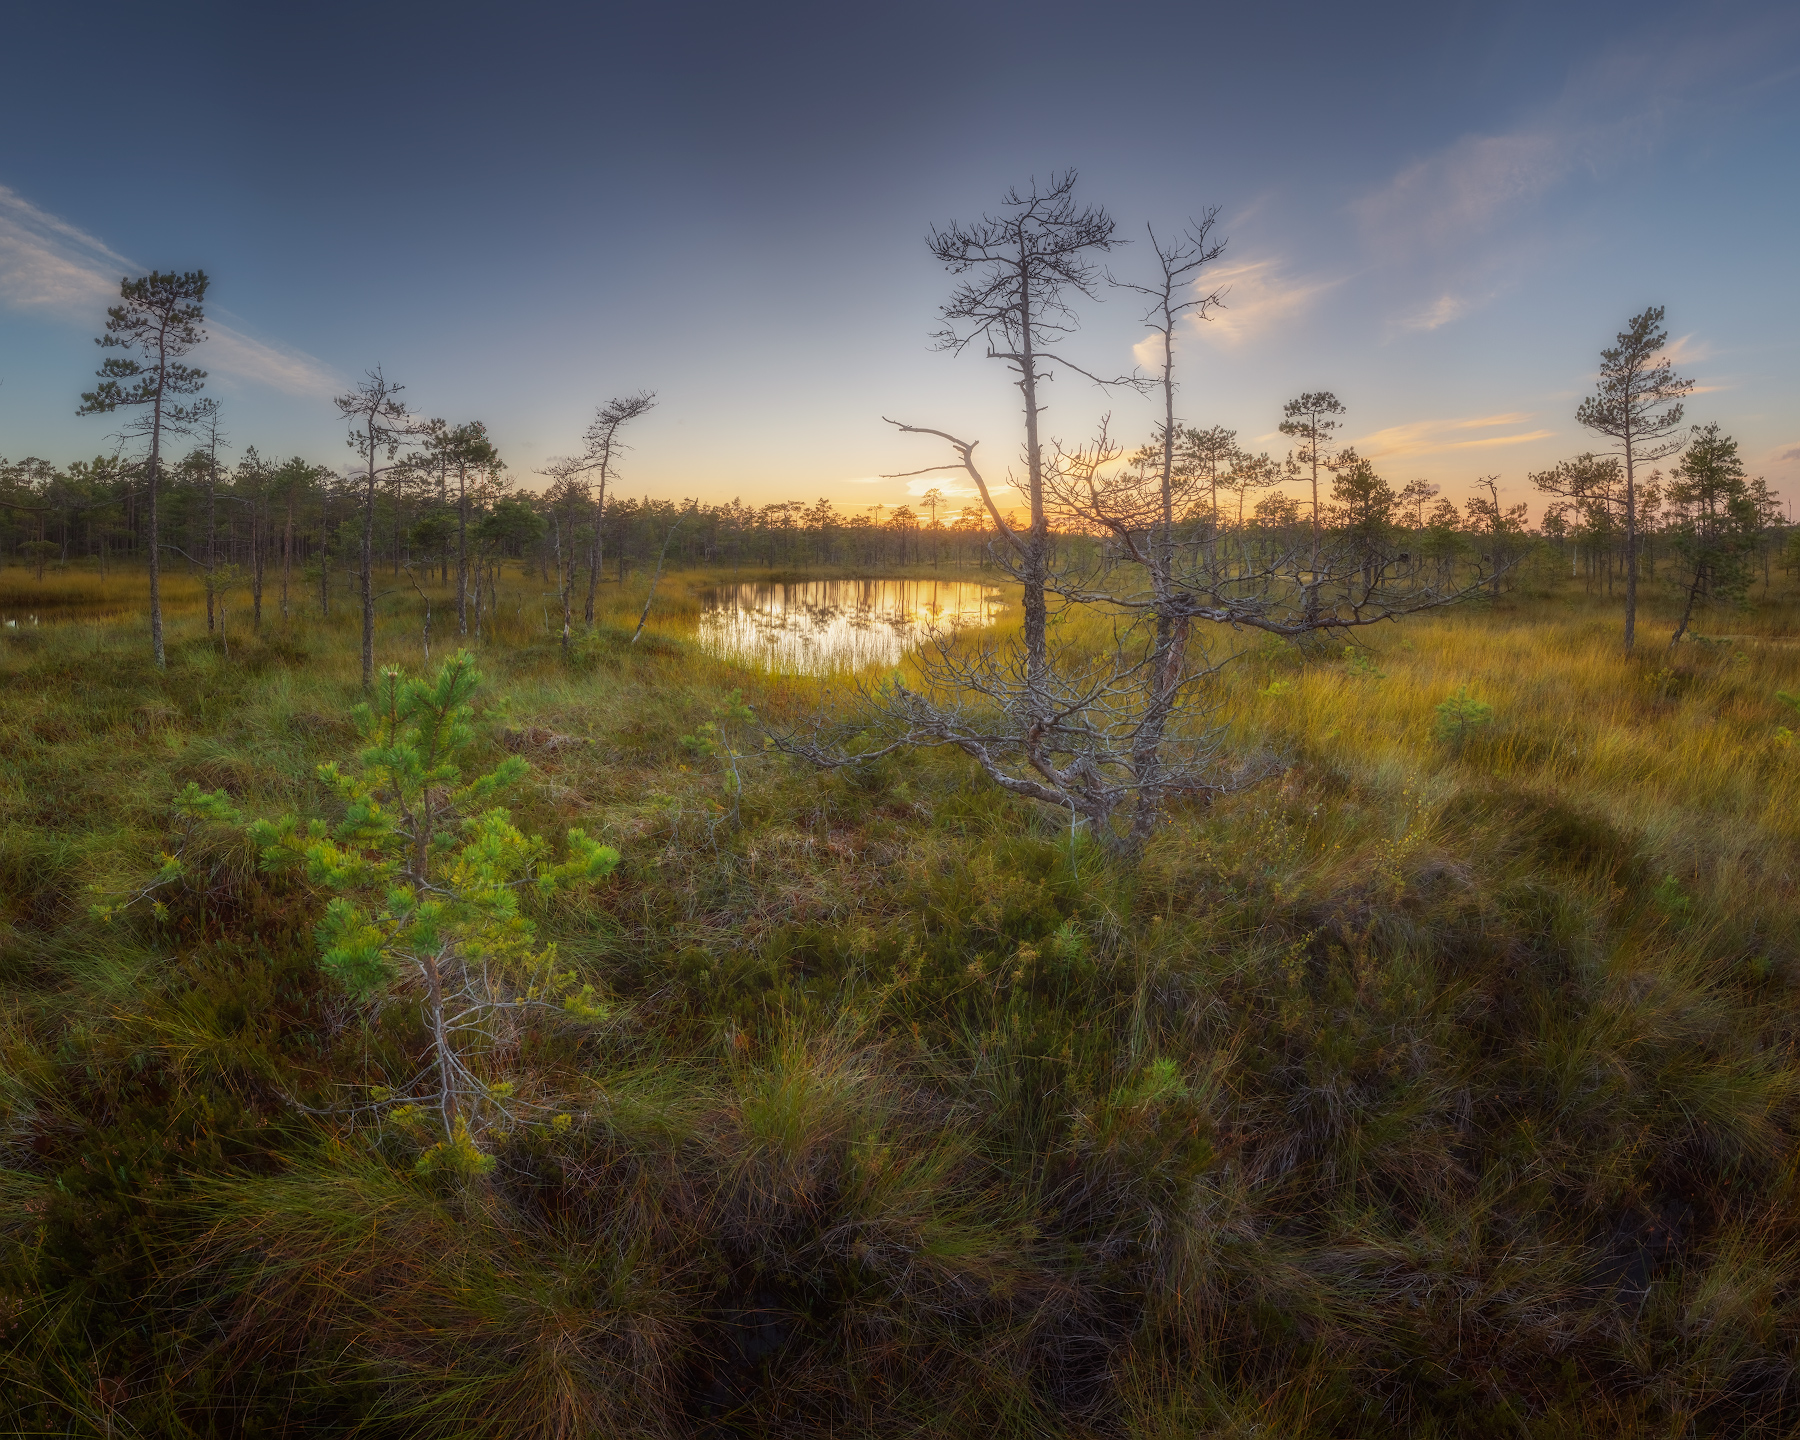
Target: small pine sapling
{"type": "Point", "coordinates": [1784, 735]}
{"type": "Point", "coordinates": [220, 581]}
{"type": "Point", "coordinates": [1669, 899]}
{"type": "Point", "coordinates": [1458, 718]}
{"type": "Point", "coordinates": [195, 811]}
{"type": "Point", "coordinates": [713, 741]}
{"type": "Point", "coordinates": [426, 877]}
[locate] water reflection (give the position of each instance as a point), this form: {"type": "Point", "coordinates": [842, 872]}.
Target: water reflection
{"type": "Point", "coordinates": [837, 624]}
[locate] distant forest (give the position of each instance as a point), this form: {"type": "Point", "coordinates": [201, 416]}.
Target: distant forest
{"type": "Point", "coordinates": [277, 521]}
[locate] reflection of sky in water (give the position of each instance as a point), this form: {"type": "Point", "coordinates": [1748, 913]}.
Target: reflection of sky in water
{"type": "Point", "coordinates": [837, 624]}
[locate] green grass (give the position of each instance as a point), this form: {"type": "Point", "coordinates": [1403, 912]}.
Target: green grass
{"type": "Point", "coordinates": [1432, 1088]}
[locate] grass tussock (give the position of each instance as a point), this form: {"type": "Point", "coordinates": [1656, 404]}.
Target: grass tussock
{"type": "Point", "coordinates": [1443, 1084]}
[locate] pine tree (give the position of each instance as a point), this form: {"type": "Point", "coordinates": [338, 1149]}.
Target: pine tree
{"type": "Point", "coordinates": [1714, 521]}
{"type": "Point", "coordinates": [1635, 382]}
{"type": "Point", "coordinates": [160, 317]}
{"type": "Point", "coordinates": [427, 877]}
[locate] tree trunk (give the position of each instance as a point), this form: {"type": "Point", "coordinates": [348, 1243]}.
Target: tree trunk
{"type": "Point", "coordinates": [325, 554]}
{"type": "Point", "coordinates": [1630, 552]}
{"type": "Point", "coordinates": [1037, 614]}
{"type": "Point", "coordinates": [597, 555]}
{"type": "Point", "coordinates": [156, 619]}
{"type": "Point", "coordinates": [212, 534]}
{"type": "Point", "coordinates": [287, 553]}
{"type": "Point", "coordinates": [462, 547]}
{"type": "Point", "coordinates": [1687, 610]}
{"type": "Point", "coordinates": [256, 560]}
{"type": "Point", "coordinates": [368, 569]}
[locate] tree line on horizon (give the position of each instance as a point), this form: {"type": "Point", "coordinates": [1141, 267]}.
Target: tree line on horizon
{"type": "Point", "coordinates": [435, 501]}
{"type": "Point", "coordinates": [274, 521]}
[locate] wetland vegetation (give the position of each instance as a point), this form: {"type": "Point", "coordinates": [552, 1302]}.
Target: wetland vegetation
{"type": "Point", "coordinates": [1169, 958]}
{"type": "Point", "coordinates": [1443, 1083]}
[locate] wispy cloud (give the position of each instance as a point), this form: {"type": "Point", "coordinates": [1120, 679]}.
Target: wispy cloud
{"type": "Point", "coordinates": [950, 484]}
{"type": "Point", "coordinates": [1259, 295]}
{"type": "Point", "coordinates": [1621, 106]}
{"type": "Point", "coordinates": [1430, 437]}
{"type": "Point", "coordinates": [1687, 351]}
{"type": "Point", "coordinates": [48, 264]}
{"type": "Point", "coordinates": [950, 489]}
{"type": "Point", "coordinates": [1466, 220]}
{"type": "Point", "coordinates": [1439, 312]}
{"type": "Point", "coordinates": [280, 367]}
{"type": "Point", "coordinates": [51, 267]}
{"type": "Point", "coordinates": [1444, 199]}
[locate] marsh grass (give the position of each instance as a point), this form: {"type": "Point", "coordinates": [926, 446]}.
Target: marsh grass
{"type": "Point", "coordinates": [1421, 1089]}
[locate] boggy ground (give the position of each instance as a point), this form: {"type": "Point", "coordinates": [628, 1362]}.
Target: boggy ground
{"type": "Point", "coordinates": [1426, 1088]}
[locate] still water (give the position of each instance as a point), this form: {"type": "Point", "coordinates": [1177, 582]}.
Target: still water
{"type": "Point", "coordinates": [837, 624]}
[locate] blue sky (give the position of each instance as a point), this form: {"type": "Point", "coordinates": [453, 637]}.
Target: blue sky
{"type": "Point", "coordinates": [1441, 212]}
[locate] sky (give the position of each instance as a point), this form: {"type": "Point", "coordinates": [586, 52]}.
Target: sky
{"type": "Point", "coordinates": [1441, 212]}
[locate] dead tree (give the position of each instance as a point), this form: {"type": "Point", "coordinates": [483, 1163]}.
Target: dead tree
{"type": "Point", "coordinates": [603, 447]}
{"type": "Point", "coordinates": [1070, 727]}
{"type": "Point", "coordinates": [1298, 588]}
{"type": "Point", "coordinates": [1173, 295]}
{"type": "Point", "coordinates": [563, 501]}
{"type": "Point", "coordinates": [1023, 266]}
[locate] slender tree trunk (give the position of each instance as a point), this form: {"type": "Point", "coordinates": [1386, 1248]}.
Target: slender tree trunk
{"type": "Point", "coordinates": [480, 571]}
{"type": "Point", "coordinates": [654, 578]}
{"type": "Point", "coordinates": [565, 574]}
{"type": "Point", "coordinates": [156, 618]}
{"type": "Point", "coordinates": [325, 551]}
{"type": "Point", "coordinates": [368, 569]}
{"type": "Point", "coordinates": [597, 556]}
{"type": "Point", "coordinates": [462, 547]}
{"type": "Point", "coordinates": [1687, 610]}
{"type": "Point", "coordinates": [443, 500]}
{"type": "Point", "coordinates": [1630, 547]}
{"type": "Point", "coordinates": [448, 1110]}
{"type": "Point", "coordinates": [1171, 632]}
{"type": "Point", "coordinates": [287, 553]}
{"type": "Point", "coordinates": [212, 527]}
{"type": "Point", "coordinates": [1037, 614]}
{"type": "Point", "coordinates": [1312, 589]}
{"type": "Point", "coordinates": [256, 560]}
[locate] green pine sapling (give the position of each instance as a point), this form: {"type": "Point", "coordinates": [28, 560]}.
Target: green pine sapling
{"type": "Point", "coordinates": [196, 811]}
{"type": "Point", "coordinates": [1455, 721]}
{"type": "Point", "coordinates": [426, 877]}
{"type": "Point", "coordinates": [713, 741]}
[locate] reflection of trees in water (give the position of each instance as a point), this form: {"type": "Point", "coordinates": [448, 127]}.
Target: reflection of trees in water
{"type": "Point", "coordinates": [847, 622]}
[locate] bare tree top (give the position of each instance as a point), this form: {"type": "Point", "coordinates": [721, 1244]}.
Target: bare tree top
{"type": "Point", "coordinates": [377, 419]}
{"type": "Point", "coordinates": [1181, 261]}
{"type": "Point", "coordinates": [1021, 263]}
